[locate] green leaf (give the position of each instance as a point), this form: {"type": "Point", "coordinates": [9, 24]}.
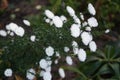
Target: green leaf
{"type": "Point", "coordinates": [74, 69]}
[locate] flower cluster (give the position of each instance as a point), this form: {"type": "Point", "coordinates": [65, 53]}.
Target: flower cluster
{"type": "Point", "coordinates": [76, 30]}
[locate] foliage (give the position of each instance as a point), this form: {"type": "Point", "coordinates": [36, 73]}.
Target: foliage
{"type": "Point", "coordinates": [102, 65]}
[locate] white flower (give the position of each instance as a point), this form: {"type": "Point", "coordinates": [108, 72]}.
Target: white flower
{"type": "Point", "coordinates": [88, 28]}
{"type": "Point", "coordinates": [92, 46]}
{"type": "Point", "coordinates": [75, 47]}
{"type": "Point", "coordinates": [49, 14]}
{"type": "Point", "coordinates": [51, 23]}
{"type": "Point", "coordinates": [107, 31]}
{"type": "Point", "coordinates": [12, 26]}
{"type": "Point", "coordinates": [3, 33]}
{"type": "Point", "coordinates": [82, 55]}
{"type": "Point", "coordinates": [30, 74]}
{"type": "Point", "coordinates": [66, 49]}
{"type": "Point", "coordinates": [8, 72]}
{"type": "Point", "coordinates": [32, 38]}
{"type": "Point", "coordinates": [81, 16]}
{"type": "Point", "coordinates": [48, 69]}
{"type": "Point", "coordinates": [70, 11]}
{"type": "Point", "coordinates": [92, 22]}
{"type": "Point", "coordinates": [11, 33]}
{"type": "Point", "coordinates": [74, 44]}
{"type": "Point", "coordinates": [8, 32]}
{"type": "Point", "coordinates": [91, 9]}
{"type": "Point", "coordinates": [20, 31]}
{"type": "Point", "coordinates": [26, 22]}
{"type": "Point", "coordinates": [57, 54]}
{"type": "Point", "coordinates": [49, 51]}
{"type": "Point", "coordinates": [86, 38]}
{"type": "Point", "coordinates": [84, 24]}
{"type": "Point", "coordinates": [49, 62]}
{"type": "Point", "coordinates": [61, 72]}
{"type": "Point", "coordinates": [69, 60]}
{"type": "Point", "coordinates": [63, 18]}
{"type": "Point", "coordinates": [77, 20]}
{"type": "Point", "coordinates": [43, 64]}
{"type": "Point", "coordinates": [47, 20]}
{"type": "Point", "coordinates": [57, 21]}
{"type": "Point", "coordinates": [47, 76]}
{"type": "Point", "coordinates": [42, 73]}
{"type": "Point", "coordinates": [75, 50]}
{"type": "Point", "coordinates": [56, 61]}
{"type": "Point", "coordinates": [38, 7]}
{"type": "Point", "coordinates": [75, 30]}
{"type": "Point", "coordinates": [8, 27]}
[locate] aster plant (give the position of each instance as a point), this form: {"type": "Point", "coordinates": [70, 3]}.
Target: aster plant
{"type": "Point", "coordinates": [33, 53]}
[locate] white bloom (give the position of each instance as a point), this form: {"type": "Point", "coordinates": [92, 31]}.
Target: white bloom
{"type": "Point", "coordinates": [48, 58]}
{"type": "Point", "coordinates": [86, 38]}
{"type": "Point", "coordinates": [49, 51]}
{"type": "Point", "coordinates": [49, 14]}
{"type": "Point", "coordinates": [77, 20]}
{"type": "Point", "coordinates": [3, 33]}
{"type": "Point", "coordinates": [43, 64]}
{"type": "Point", "coordinates": [56, 61]}
{"type": "Point", "coordinates": [69, 60]}
{"type": "Point", "coordinates": [84, 24]}
{"type": "Point", "coordinates": [20, 31]}
{"type": "Point", "coordinates": [75, 50]}
{"type": "Point", "coordinates": [11, 33]}
{"type": "Point", "coordinates": [81, 16]}
{"type": "Point", "coordinates": [82, 55]}
{"type": "Point", "coordinates": [32, 38]}
{"type": "Point", "coordinates": [47, 76]}
{"type": "Point", "coordinates": [74, 44]}
{"type": "Point", "coordinates": [75, 30]}
{"type": "Point", "coordinates": [8, 27]}
{"type": "Point", "coordinates": [8, 32]}
{"type": "Point", "coordinates": [92, 22]}
{"type": "Point", "coordinates": [30, 74]}
{"type": "Point", "coordinates": [49, 62]}
{"type": "Point", "coordinates": [57, 54]}
{"type": "Point", "coordinates": [107, 31]}
{"type": "Point", "coordinates": [47, 20]}
{"type": "Point", "coordinates": [70, 11]}
{"type": "Point", "coordinates": [12, 26]}
{"type": "Point", "coordinates": [51, 23]}
{"type": "Point", "coordinates": [75, 47]}
{"type": "Point", "coordinates": [63, 18]}
{"type": "Point", "coordinates": [42, 73]}
{"type": "Point", "coordinates": [61, 72]}
{"type": "Point", "coordinates": [91, 9]}
{"type": "Point", "coordinates": [26, 22]}
{"type": "Point", "coordinates": [8, 72]}
{"type": "Point", "coordinates": [57, 21]}
{"type": "Point", "coordinates": [48, 69]}
{"type": "Point", "coordinates": [66, 49]}
{"type": "Point", "coordinates": [38, 7]}
{"type": "Point", "coordinates": [88, 28]}
{"type": "Point", "coordinates": [92, 46]}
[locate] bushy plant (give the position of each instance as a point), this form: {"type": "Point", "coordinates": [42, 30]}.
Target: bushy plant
{"type": "Point", "coordinates": [51, 38]}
